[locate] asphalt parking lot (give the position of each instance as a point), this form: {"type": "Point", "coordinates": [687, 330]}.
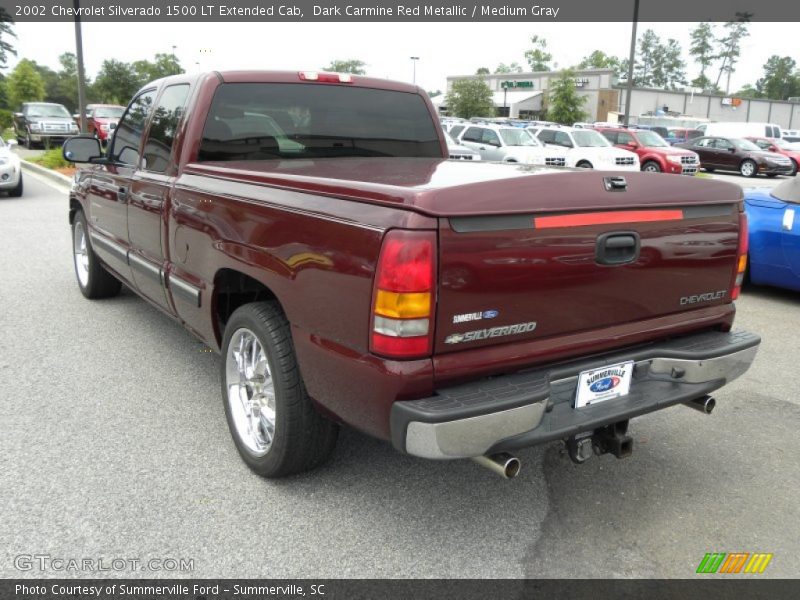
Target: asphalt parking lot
{"type": "Point", "coordinates": [114, 444]}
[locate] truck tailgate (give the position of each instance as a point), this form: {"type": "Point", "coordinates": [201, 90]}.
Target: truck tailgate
{"type": "Point", "coordinates": [513, 277]}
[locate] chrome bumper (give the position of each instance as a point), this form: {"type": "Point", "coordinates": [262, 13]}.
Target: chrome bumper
{"type": "Point", "coordinates": [537, 407]}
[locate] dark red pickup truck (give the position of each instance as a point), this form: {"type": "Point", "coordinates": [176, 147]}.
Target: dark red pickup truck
{"type": "Point", "coordinates": [309, 227]}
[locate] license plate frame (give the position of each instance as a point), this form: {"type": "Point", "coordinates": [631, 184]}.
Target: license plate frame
{"type": "Point", "coordinates": [603, 383]}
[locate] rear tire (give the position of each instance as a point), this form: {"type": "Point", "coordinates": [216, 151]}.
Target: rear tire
{"type": "Point", "coordinates": [585, 164]}
{"type": "Point", "coordinates": [651, 166]}
{"type": "Point", "coordinates": [272, 420]}
{"type": "Point", "coordinates": [708, 169]}
{"type": "Point", "coordinates": [748, 168]}
{"type": "Point", "coordinates": [93, 279]}
{"type": "Point", "coordinates": [794, 168]}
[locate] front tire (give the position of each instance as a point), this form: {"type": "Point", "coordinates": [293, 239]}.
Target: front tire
{"type": "Point", "coordinates": [272, 420]}
{"type": "Point", "coordinates": [93, 279]}
{"type": "Point", "coordinates": [584, 164]}
{"type": "Point", "coordinates": [16, 191]}
{"type": "Point", "coordinates": [748, 168]}
{"type": "Point", "coordinates": [651, 167]}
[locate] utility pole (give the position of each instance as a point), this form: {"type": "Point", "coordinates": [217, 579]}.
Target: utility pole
{"type": "Point", "coordinates": [631, 58]}
{"type": "Point", "coordinates": [81, 73]}
{"type": "Point", "coordinates": [414, 62]}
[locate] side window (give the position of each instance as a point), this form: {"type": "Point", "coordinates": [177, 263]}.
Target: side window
{"type": "Point", "coordinates": [129, 132]}
{"type": "Point", "coordinates": [547, 136]}
{"type": "Point", "coordinates": [611, 136]}
{"type": "Point", "coordinates": [723, 144]}
{"type": "Point", "coordinates": [456, 130]}
{"type": "Point", "coordinates": [491, 137]}
{"type": "Point", "coordinates": [763, 144]}
{"type": "Point", "coordinates": [625, 138]}
{"type": "Point", "coordinates": [562, 139]}
{"type": "Point", "coordinates": [704, 143]}
{"type": "Point", "coordinates": [158, 148]}
{"type": "Point", "coordinates": [473, 134]}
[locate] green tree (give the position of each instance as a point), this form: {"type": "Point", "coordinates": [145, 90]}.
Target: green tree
{"type": "Point", "coordinates": [781, 78]}
{"type": "Point", "coordinates": [164, 65]}
{"type": "Point", "coordinates": [646, 58]}
{"type": "Point", "coordinates": [5, 32]}
{"type": "Point", "coordinates": [564, 104]}
{"type": "Point", "coordinates": [482, 71]}
{"type": "Point", "coordinates": [702, 49]}
{"type": "Point", "coordinates": [470, 98]}
{"type": "Point", "coordinates": [730, 49]}
{"type": "Point", "coordinates": [24, 84]}
{"type": "Point", "coordinates": [4, 92]}
{"type": "Point", "coordinates": [669, 70]}
{"type": "Point", "coordinates": [514, 67]}
{"type": "Point", "coordinates": [598, 60]}
{"type": "Point", "coordinates": [538, 57]}
{"type": "Point", "coordinates": [748, 91]}
{"type": "Point", "coordinates": [116, 83]}
{"type": "Point", "coordinates": [354, 66]}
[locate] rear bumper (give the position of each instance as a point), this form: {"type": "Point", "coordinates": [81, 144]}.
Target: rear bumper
{"type": "Point", "coordinates": [525, 409]}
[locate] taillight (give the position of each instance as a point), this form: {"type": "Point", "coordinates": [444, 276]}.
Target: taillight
{"type": "Point", "coordinates": [404, 296]}
{"type": "Point", "coordinates": [741, 257]}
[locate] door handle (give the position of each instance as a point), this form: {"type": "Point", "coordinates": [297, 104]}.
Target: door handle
{"type": "Point", "coordinates": [122, 194]}
{"type": "Point", "coordinates": [617, 248]}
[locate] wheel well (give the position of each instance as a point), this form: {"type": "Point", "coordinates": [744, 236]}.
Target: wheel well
{"type": "Point", "coordinates": [583, 161]}
{"type": "Point", "coordinates": [233, 289]}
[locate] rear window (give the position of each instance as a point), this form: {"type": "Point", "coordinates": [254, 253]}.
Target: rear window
{"type": "Point", "coordinates": [258, 121]}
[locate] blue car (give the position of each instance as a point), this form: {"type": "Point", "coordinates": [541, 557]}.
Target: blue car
{"type": "Point", "coordinates": [774, 225]}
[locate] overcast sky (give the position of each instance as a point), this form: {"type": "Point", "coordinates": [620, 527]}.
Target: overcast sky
{"type": "Point", "coordinates": [443, 48]}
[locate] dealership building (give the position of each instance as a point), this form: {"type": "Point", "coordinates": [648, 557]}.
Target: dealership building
{"type": "Point", "coordinates": [523, 96]}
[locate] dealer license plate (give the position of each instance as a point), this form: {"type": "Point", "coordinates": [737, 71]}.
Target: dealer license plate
{"type": "Point", "coordinates": [605, 383]}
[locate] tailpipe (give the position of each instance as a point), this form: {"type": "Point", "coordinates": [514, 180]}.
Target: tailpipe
{"type": "Point", "coordinates": [705, 404]}
{"type": "Point", "coordinates": [503, 464]}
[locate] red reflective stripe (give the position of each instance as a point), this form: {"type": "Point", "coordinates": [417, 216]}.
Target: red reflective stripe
{"type": "Point", "coordinates": [605, 218]}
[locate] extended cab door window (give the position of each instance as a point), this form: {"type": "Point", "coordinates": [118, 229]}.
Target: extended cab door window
{"type": "Point", "coordinates": [158, 148]}
{"type": "Point", "coordinates": [130, 130]}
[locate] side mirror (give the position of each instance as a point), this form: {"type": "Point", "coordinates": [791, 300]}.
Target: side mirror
{"type": "Point", "coordinates": [82, 149]}
{"type": "Point", "coordinates": [731, 150]}
{"type": "Point", "coordinates": [18, 115]}
{"type": "Point", "coordinates": [633, 145]}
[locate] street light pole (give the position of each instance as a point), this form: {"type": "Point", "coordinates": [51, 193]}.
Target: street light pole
{"type": "Point", "coordinates": [414, 60]}
{"type": "Point", "coordinates": [81, 73]}
{"type": "Point", "coordinates": [631, 58]}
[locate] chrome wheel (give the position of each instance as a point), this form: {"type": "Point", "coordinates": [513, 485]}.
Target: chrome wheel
{"type": "Point", "coordinates": [251, 392]}
{"type": "Point", "coordinates": [80, 254]}
{"type": "Point", "coordinates": [748, 168]}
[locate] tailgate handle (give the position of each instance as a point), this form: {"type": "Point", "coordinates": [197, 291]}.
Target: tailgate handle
{"type": "Point", "coordinates": [618, 248]}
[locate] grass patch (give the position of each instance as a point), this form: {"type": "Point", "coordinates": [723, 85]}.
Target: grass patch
{"type": "Point", "coordinates": [52, 159]}
{"type": "Point", "coordinates": [703, 175]}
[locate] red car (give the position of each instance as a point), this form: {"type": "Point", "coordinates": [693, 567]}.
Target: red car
{"type": "Point", "coordinates": [655, 154]}
{"type": "Point", "coordinates": [102, 119]}
{"type": "Point", "coordinates": [779, 146]}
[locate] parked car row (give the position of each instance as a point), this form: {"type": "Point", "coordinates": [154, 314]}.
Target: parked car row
{"type": "Point", "coordinates": [45, 123]}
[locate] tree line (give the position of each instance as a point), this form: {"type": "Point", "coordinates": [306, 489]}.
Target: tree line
{"type": "Point", "coordinates": [115, 83]}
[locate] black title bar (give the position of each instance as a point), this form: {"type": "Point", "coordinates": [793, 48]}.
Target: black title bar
{"type": "Point", "coordinates": [401, 11]}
